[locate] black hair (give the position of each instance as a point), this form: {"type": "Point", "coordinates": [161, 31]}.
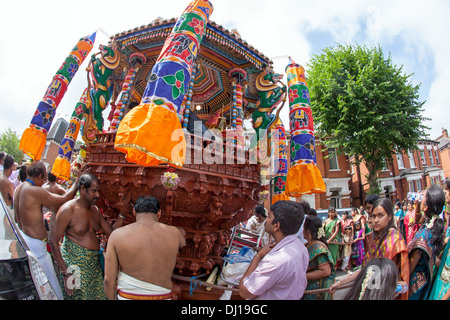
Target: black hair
{"type": "Point", "coordinates": [2, 155]}
{"type": "Point", "coordinates": [145, 204]}
{"type": "Point", "coordinates": [435, 201]}
{"type": "Point", "coordinates": [312, 212]}
{"type": "Point", "coordinates": [306, 206]}
{"type": "Point", "coordinates": [51, 177]}
{"type": "Point", "coordinates": [385, 281]}
{"type": "Point", "coordinates": [86, 180]}
{"type": "Point", "coordinates": [8, 162]}
{"type": "Point", "coordinates": [347, 214]}
{"type": "Point", "coordinates": [386, 204]}
{"type": "Point", "coordinates": [313, 224]}
{"type": "Point", "coordinates": [372, 198]}
{"type": "Point", "coordinates": [289, 214]}
{"type": "Point", "coordinates": [23, 175]}
{"type": "Point", "coordinates": [259, 209]}
{"type": "Point", "coordinates": [37, 169]}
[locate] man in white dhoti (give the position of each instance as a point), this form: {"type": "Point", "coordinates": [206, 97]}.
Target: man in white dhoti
{"type": "Point", "coordinates": [145, 252]}
{"type": "Point", "coordinates": [29, 197]}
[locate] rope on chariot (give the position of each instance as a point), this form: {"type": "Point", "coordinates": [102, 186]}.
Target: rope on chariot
{"type": "Point", "coordinates": [195, 282]}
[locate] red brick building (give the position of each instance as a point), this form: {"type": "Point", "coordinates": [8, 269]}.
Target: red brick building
{"type": "Point", "coordinates": [410, 171]}
{"type": "Point", "coordinates": [444, 151]}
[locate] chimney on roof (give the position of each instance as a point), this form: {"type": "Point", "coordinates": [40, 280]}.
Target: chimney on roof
{"type": "Point", "coordinates": [444, 133]}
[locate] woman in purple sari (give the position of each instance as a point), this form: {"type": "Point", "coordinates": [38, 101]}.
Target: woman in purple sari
{"type": "Point", "coordinates": [358, 245]}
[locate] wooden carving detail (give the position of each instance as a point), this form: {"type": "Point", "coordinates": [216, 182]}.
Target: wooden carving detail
{"type": "Point", "coordinates": [209, 201]}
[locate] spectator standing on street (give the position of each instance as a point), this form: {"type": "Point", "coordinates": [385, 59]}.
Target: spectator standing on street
{"type": "Point", "coordinates": [411, 225]}
{"type": "Point", "coordinates": [358, 246]}
{"type": "Point", "coordinates": [441, 286]}
{"type": "Point", "coordinates": [321, 271]}
{"type": "Point", "coordinates": [278, 271]}
{"type": "Point", "coordinates": [399, 214]}
{"type": "Point", "coordinates": [369, 203]}
{"type": "Point", "coordinates": [333, 227]}
{"type": "Point", "coordinates": [427, 243]}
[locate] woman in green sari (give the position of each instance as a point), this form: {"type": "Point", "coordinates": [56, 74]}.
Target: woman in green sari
{"type": "Point", "coordinates": [321, 272]}
{"type": "Point", "coordinates": [441, 285]}
{"type": "Point", "coordinates": [333, 233]}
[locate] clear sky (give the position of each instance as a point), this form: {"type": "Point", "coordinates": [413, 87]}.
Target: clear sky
{"type": "Point", "coordinates": [36, 37]}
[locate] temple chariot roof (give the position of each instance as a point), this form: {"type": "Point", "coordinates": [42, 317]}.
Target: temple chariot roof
{"type": "Point", "coordinates": [220, 51]}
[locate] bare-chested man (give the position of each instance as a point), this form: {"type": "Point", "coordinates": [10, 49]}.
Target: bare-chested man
{"type": "Point", "coordinates": [53, 187]}
{"type": "Point", "coordinates": [80, 220]}
{"type": "Point", "coordinates": [29, 198]}
{"type": "Point", "coordinates": [6, 185]}
{"type": "Point", "coordinates": [145, 252]}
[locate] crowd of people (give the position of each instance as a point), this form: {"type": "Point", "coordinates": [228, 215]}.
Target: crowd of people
{"type": "Point", "coordinates": [389, 251]}
{"type": "Point", "coordinates": [61, 227]}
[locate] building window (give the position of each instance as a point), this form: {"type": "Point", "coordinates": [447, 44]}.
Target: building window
{"type": "Point", "coordinates": [385, 166]}
{"type": "Point", "coordinates": [412, 164]}
{"type": "Point", "coordinates": [332, 158]}
{"type": "Point", "coordinates": [335, 199]}
{"type": "Point", "coordinates": [419, 185]}
{"type": "Point", "coordinates": [47, 146]}
{"type": "Point", "coordinates": [411, 186]}
{"type": "Point", "coordinates": [401, 164]}
{"type": "Point", "coordinates": [430, 152]}
{"type": "Point", "coordinates": [436, 151]}
{"type": "Point", "coordinates": [422, 156]}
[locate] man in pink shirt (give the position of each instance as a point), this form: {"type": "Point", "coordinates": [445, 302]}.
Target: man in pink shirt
{"type": "Point", "coordinates": [278, 271]}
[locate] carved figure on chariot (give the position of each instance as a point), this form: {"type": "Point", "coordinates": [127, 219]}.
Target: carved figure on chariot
{"type": "Point", "coordinates": [99, 71]}
{"type": "Point", "coordinates": [271, 92]}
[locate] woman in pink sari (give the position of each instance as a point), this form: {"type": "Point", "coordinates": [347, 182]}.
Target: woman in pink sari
{"type": "Point", "coordinates": [411, 226]}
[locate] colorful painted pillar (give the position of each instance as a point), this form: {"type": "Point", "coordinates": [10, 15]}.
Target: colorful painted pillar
{"type": "Point", "coordinates": [136, 60]}
{"type": "Point", "coordinates": [61, 166]}
{"type": "Point", "coordinates": [34, 137]}
{"type": "Point", "coordinates": [303, 176]}
{"type": "Point", "coordinates": [237, 77]}
{"type": "Point", "coordinates": [279, 182]}
{"type": "Point", "coordinates": [151, 133]}
{"type": "Point", "coordinates": [188, 100]}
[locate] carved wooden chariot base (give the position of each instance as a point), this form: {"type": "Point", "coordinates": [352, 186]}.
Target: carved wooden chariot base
{"type": "Point", "coordinates": [209, 200]}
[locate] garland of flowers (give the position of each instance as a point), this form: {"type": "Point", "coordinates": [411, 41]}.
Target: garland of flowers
{"type": "Point", "coordinates": [170, 179]}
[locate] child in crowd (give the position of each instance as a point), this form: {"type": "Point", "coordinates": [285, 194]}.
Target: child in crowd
{"type": "Point", "coordinates": [347, 248]}
{"type": "Point", "coordinates": [358, 245]}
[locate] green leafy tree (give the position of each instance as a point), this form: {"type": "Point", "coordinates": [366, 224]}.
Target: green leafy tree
{"type": "Point", "coordinates": [9, 143]}
{"type": "Point", "coordinates": [366, 104]}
